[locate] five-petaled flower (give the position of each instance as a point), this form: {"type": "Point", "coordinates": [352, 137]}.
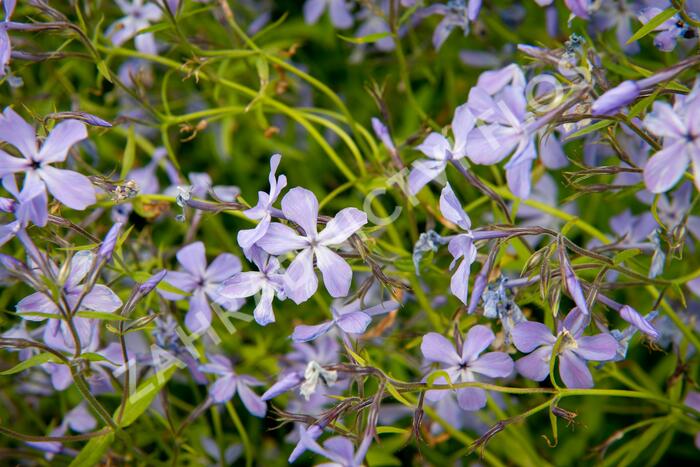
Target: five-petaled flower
{"type": "Point", "coordinates": [70, 188]}
{"type": "Point", "coordinates": [268, 279]}
{"type": "Point", "coordinates": [229, 383]}
{"type": "Point", "coordinates": [300, 206]}
{"type": "Point", "coordinates": [573, 349]}
{"type": "Point", "coordinates": [464, 365]}
{"type": "Point", "coordinates": [679, 126]}
{"type": "Point", "coordinates": [201, 282]}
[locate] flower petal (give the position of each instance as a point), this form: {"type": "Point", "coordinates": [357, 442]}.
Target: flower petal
{"type": "Point", "coordinates": [17, 132]}
{"type": "Point", "coordinates": [471, 398]}
{"type": "Point", "coordinates": [255, 405]}
{"type": "Point", "coordinates": [476, 341]}
{"type": "Point", "coordinates": [337, 274]}
{"type": "Point", "coordinates": [224, 266]}
{"type": "Point", "coordinates": [424, 171]}
{"type": "Point", "coordinates": [451, 208]}
{"type": "Point", "coordinates": [243, 284]}
{"type": "Point", "coordinates": [61, 139]}
{"type": "Point", "coordinates": [223, 389]}
{"type": "Point", "coordinates": [10, 165]}
{"type": "Point", "coordinates": [70, 188]}
{"type": "Point", "coordinates": [493, 365]}
{"type": "Point", "coordinates": [263, 312]}
{"type": "Point", "coordinates": [599, 348]}
{"type": "Point", "coordinates": [281, 239]}
{"type": "Point", "coordinates": [355, 322]}
{"type": "Point", "coordinates": [36, 302]}
{"type": "Point", "coordinates": [101, 298]}
{"type": "Point", "coordinates": [665, 168]}
{"type": "Point", "coordinates": [300, 205]}
{"type": "Point", "coordinates": [342, 226]}
{"type": "Point", "coordinates": [304, 333]}
{"type": "Point", "coordinates": [193, 259]}
{"type": "Point", "coordinates": [198, 319]}
{"type": "Point", "coordinates": [574, 371]}
{"type": "Point", "coordinates": [536, 365]}
{"type": "Point", "coordinates": [529, 335]}
{"type": "Point", "coordinates": [436, 348]}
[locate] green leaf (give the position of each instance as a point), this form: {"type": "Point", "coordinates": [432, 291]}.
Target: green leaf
{"type": "Point", "coordinates": [652, 24]}
{"type": "Point", "coordinates": [101, 315]}
{"type": "Point", "coordinates": [591, 128]}
{"type": "Point", "coordinates": [623, 256]}
{"type": "Point", "coordinates": [391, 429]}
{"type": "Point", "coordinates": [104, 70]}
{"type": "Point", "coordinates": [38, 359]}
{"type": "Point", "coordinates": [435, 375]}
{"type": "Point", "coordinates": [368, 39]}
{"type": "Point", "coordinates": [397, 395]}
{"type": "Point", "coordinates": [93, 451]}
{"type": "Point", "coordinates": [138, 402]}
{"type": "Point", "coordinates": [136, 405]}
{"type": "Point", "coordinates": [129, 153]}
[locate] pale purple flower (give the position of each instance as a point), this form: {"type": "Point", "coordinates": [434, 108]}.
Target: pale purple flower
{"type": "Point", "coordinates": [670, 30]}
{"type": "Point", "coordinates": [440, 151]}
{"type": "Point", "coordinates": [461, 246]}
{"type": "Point", "coordinates": [138, 16]}
{"type": "Point", "coordinates": [350, 318]}
{"type": "Point", "coordinates": [626, 92]}
{"type": "Point", "coordinates": [455, 13]}
{"type": "Point", "coordinates": [99, 298]}
{"type": "Point", "coordinates": [623, 337]}
{"type": "Point", "coordinates": [201, 282]}
{"type": "Point", "coordinates": [571, 282]}
{"type": "Point", "coordinates": [109, 243]}
{"type": "Point", "coordinates": [80, 420]}
{"type": "Point", "coordinates": [580, 8]}
{"type": "Point", "coordinates": [5, 45]}
{"type": "Point", "coordinates": [633, 229]}
{"type": "Point", "coordinates": [229, 383]}
{"type": "Point", "coordinates": [300, 206]}
{"type": "Point", "coordinates": [575, 349]}
{"type": "Point", "coordinates": [672, 210]}
{"type": "Point", "coordinates": [339, 11]}
{"type": "Point", "coordinates": [510, 130]}
{"type": "Point", "coordinates": [383, 134]}
{"type": "Point", "coordinates": [679, 126]}
{"type": "Point", "coordinates": [338, 449]}
{"type": "Point", "coordinates": [374, 24]}
{"type": "Point", "coordinates": [323, 351]}
{"type": "Point", "coordinates": [268, 280]}
{"type": "Point", "coordinates": [28, 206]}
{"type": "Point", "coordinates": [617, 15]}
{"type": "Point", "coordinates": [70, 188]}
{"type": "Point", "coordinates": [262, 212]}
{"type": "Point", "coordinates": [466, 364]}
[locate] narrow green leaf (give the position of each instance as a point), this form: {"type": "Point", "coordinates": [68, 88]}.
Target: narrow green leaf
{"type": "Point", "coordinates": [591, 128]}
{"type": "Point", "coordinates": [397, 395]}
{"type": "Point", "coordinates": [138, 402]}
{"type": "Point", "coordinates": [129, 153]}
{"type": "Point", "coordinates": [623, 256]}
{"type": "Point", "coordinates": [653, 23]}
{"type": "Point", "coordinates": [38, 359]}
{"type": "Point", "coordinates": [390, 429]}
{"type": "Point", "coordinates": [101, 315]}
{"type": "Point", "coordinates": [368, 39]}
{"type": "Point", "coordinates": [93, 451]}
